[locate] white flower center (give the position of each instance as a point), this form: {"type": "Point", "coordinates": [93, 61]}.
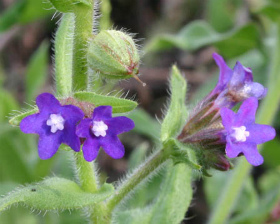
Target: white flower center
{"type": "Point", "coordinates": [240, 134]}
{"type": "Point", "coordinates": [247, 89]}
{"type": "Point", "coordinates": [99, 128]}
{"type": "Point", "coordinates": [56, 122]}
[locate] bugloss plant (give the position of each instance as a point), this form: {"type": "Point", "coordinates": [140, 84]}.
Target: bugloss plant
{"type": "Point", "coordinates": [194, 141]}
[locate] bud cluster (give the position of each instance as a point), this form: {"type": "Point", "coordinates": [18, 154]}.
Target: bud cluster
{"type": "Point", "coordinates": [207, 128]}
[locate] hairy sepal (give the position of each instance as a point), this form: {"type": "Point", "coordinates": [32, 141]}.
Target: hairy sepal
{"type": "Point", "coordinates": [177, 111]}
{"type": "Point", "coordinates": [55, 194]}
{"type": "Point", "coordinates": [183, 154]}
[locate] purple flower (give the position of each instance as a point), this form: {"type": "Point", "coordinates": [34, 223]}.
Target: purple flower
{"type": "Point", "coordinates": [235, 85]}
{"type": "Point", "coordinates": [242, 134]}
{"type": "Point", "coordinates": [101, 131]}
{"type": "Point", "coordinates": [55, 124]}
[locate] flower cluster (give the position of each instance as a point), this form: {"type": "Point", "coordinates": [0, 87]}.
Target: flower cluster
{"type": "Point", "coordinates": [56, 124]}
{"type": "Point", "coordinates": [215, 127]}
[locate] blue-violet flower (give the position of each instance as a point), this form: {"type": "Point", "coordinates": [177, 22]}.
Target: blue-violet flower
{"type": "Point", "coordinates": [242, 134]}
{"type": "Point", "coordinates": [55, 124]}
{"type": "Point", "coordinates": [235, 85]}
{"type": "Point", "coordinates": [101, 131]}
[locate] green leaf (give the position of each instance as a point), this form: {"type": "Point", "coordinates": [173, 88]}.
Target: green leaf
{"type": "Point", "coordinates": [177, 112]}
{"type": "Point", "coordinates": [64, 55]}
{"type": "Point", "coordinates": [171, 204]}
{"type": "Point", "coordinates": [16, 119]}
{"type": "Point", "coordinates": [138, 155]}
{"type": "Point", "coordinates": [145, 124]}
{"type": "Point", "coordinates": [174, 197]}
{"type": "Point", "coordinates": [119, 105]}
{"type": "Point", "coordinates": [213, 186]}
{"type": "Point", "coordinates": [34, 10]}
{"type": "Point", "coordinates": [22, 12]}
{"type": "Point", "coordinates": [199, 34]}
{"type": "Point", "coordinates": [238, 42]}
{"type": "Point", "coordinates": [271, 153]}
{"type": "Point", "coordinates": [270, 187]}
{"type": "Point", "coordinates": [69, 6]}
{"type": "Point", "coordinates": [271, 11]}
{"type": "Point", "coordinates": [133, 216]}
{"type": "Point", "coordinates": [55, 193]}
{"type": "Point", "coordinates": [221, 13]}
{"type": "Point", "coordinates": [36, 73]}
{"type": "Point", "coordinates": [14, 155]}
{"type": "Point", "coordinates": [8, 104]}
{"type": "Point", "coordinates": [269, 181]}
{"type": "Point", "coordinates": [11, 16]}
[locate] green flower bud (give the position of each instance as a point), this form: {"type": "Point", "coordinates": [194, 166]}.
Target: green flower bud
{"type": "Point", "coordinates": [114, 54]}
{"type": "Point", "coordinates": [69, 5]}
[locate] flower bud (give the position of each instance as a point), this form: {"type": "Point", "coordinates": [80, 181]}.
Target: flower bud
{"type": "Point", "coordinates": [114, 54]}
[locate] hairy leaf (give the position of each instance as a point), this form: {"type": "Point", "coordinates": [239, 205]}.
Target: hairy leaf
{"type": "Point", "coordinates": [64, 55]}
{"type": "Point", "coordinates": [145, 124]}
{"type": "Point", "coordinates": [175, 195]}
{"type": "Point", "coordinates": [16, 119]}
{"type": "Point", "coordinates": [55, 193]}
{"type": "Point", "coordinates": [119, 105]}
{"type": "Point", "coordinates": [177, 112]}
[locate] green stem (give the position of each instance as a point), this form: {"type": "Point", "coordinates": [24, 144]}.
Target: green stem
{"type": "Point", "coordinates": [137, 177]}
{"type": "Point", "coordinates": [86, 173]}
{"type": "Point", "coordinates": [83, 33]}
{"type": "Point", "coordinates": [266, 115]}
{"type": "Point", "coordinates": [89, 183]}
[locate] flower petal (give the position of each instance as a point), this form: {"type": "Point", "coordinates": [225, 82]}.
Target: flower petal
{"type": "Point", "coordinates": [227, 118]}
{"type": "Point", "coordinates": [33, 124]}
{"type": "Point", "coordinates": [260, 133]}
{"type": "Point", "coordinates": [72, 113]}
{"type": "Point", "coordinates": [247, 112]}
{"type": "Point", "coordinates": [46, 102]}
{"type": "Point", "coordinates": [241, 74]}
{"type": "Point", "coordinates": [102, 113]}
{"type": "Point", "coordinates": [254, 89]}
{"type": "Point", "coordinates": [83, 129]}
{"type": "Point", "coordinates": [225, 71]}
{"type": "Point", "coordinates": [69, 136]}
{"type": "Point", "coordinates": [91, 149]}
{"type": "Point", "coordinates": [252, 154]}
{"type": "Point", "coordinates": [112, 146]}
{"type": "Point", "coordinates": [232, 150]}
{"type": "Point", "coordinates": [48, 145]}
{"type": "Point", "coordinates": [118, 125]}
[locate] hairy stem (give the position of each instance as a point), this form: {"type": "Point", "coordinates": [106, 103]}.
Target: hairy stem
{"type": "Point", "coordinates": [83, 33]}
{"type": "Point", "coordinates": [266, 115]}
{"type": "Point", "coordinates": [63, 55]}
{"type": "Point", "coordinates": [89, 182]}
{"type": "Point", "coordinates": [86, 173]}
{"type": "Point", "coordinates": [155, 161]}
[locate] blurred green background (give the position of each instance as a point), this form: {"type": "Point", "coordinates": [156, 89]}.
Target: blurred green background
{"type": "Point", "coordinates": [185, 32]}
